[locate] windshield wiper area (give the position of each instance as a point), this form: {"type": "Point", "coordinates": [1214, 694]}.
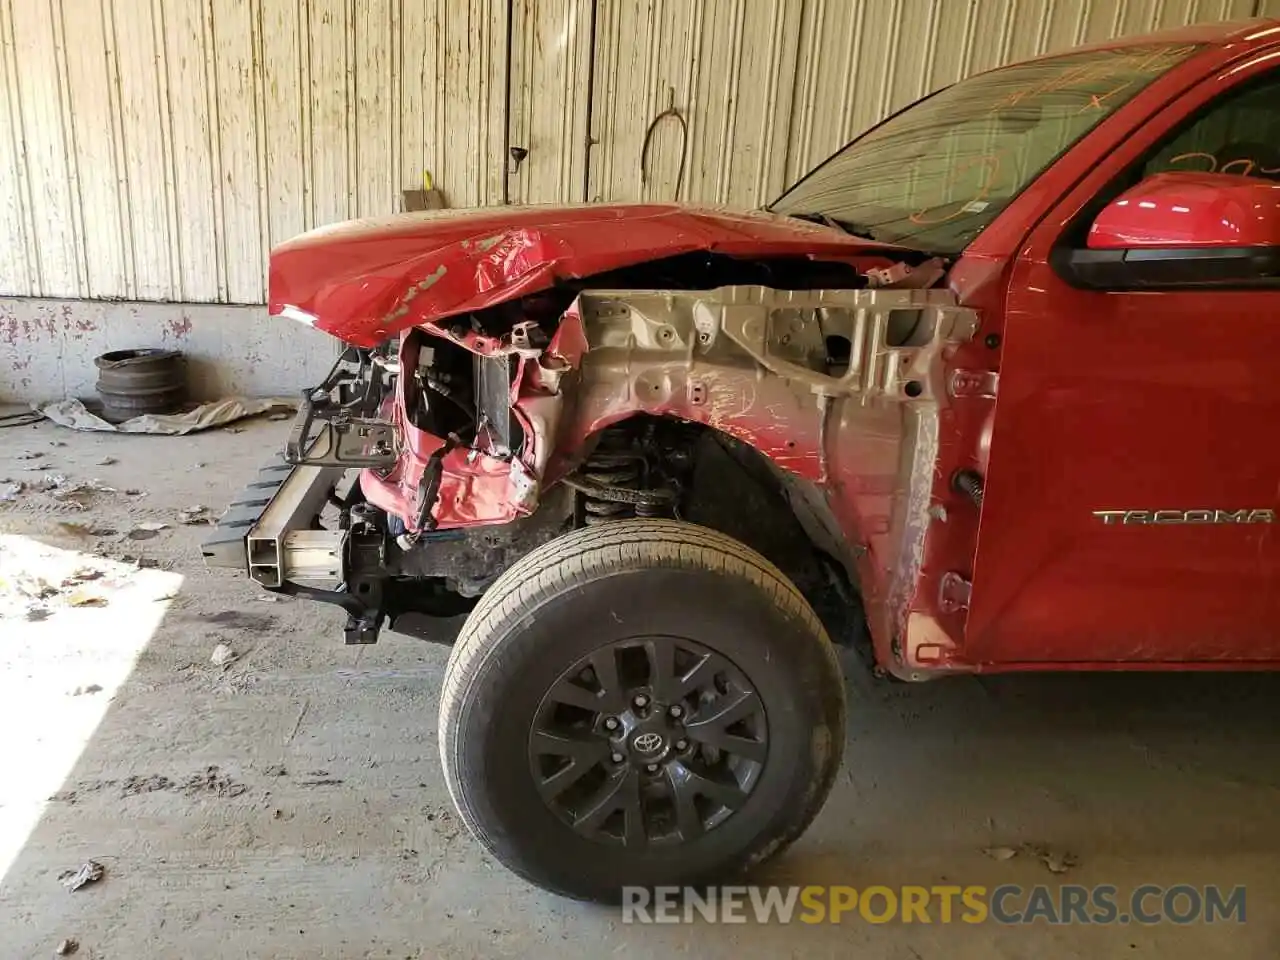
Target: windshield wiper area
{"type": "Point", "coordinates": [853, 229]}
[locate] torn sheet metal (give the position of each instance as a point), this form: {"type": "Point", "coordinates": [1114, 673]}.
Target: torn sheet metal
{"type": "Point", "coordinates": [217, 413]}
{"type": "Point", "coordinates": [367, 280]}
{"type": "Point", "coordinates": [755, 364]}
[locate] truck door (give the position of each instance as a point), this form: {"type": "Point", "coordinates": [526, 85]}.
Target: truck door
{"type": "Point", "coordinates": [1119, 408]}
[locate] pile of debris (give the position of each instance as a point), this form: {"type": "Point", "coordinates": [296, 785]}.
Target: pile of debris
{"type": "Point", "coordinates": [58, 486]}
{"type": "Point", "coordinates": [35, 597]}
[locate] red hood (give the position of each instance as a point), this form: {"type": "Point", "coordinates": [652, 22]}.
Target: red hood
{"type": "Point", "coordinates": [366, 280]}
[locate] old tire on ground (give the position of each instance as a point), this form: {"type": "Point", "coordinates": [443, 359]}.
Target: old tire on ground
{"type": "Point", "coordinates": [133, 383]}
{"type": "Point", "coordinates": [640, 703]}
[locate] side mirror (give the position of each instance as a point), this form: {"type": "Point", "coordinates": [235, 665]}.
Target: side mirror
{"type": "Point", "coordinates": [1183, 229]}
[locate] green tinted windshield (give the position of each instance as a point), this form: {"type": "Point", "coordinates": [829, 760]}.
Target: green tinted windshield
{"type": "Point", "coordinates": [936, 174]}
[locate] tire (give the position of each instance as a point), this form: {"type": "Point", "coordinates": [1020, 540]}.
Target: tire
{"type": "Point", "coordinates": [697, 623]}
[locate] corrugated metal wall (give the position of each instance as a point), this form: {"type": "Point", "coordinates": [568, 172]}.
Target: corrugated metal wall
{"type": "Point", "coordinates": [772, 87]}
{"type": "Point", "coordinates": [156, 149]}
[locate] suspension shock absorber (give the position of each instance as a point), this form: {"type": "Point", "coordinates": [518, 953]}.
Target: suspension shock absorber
{"type": "Point", "coordinates": [610, 485]}
{"type": "Point", "coordinates": [605, 474]}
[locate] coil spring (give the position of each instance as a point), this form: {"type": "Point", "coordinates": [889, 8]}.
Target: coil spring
{"type": "Point", "coordinates": [969, 482]}
{"type": "Point", "coordinates": [608, 470]}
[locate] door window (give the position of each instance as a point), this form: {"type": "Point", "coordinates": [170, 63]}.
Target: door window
{"type": "Point", "coordinates": [1239, 133]}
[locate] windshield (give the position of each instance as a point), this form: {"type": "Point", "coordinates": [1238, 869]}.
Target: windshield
{"type": "Point", "coordinates": [936, 174]}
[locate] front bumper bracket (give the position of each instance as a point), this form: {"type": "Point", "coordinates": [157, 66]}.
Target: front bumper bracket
{"type": "Point", "coordinates": [270, 530]}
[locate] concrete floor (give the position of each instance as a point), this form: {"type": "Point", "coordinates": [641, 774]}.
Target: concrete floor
{"type": "Point", "coordinates": [325, 829]}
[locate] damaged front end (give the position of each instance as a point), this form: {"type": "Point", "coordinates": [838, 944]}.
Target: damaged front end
{"type": "Point", "coordinates": [477, 439]}
{"type": "Point", "coordinates": [289, 528]}
{"type": "Point", "coordinates": [514, 374]}
{"type": "Point", "coordinates": [389, 463]}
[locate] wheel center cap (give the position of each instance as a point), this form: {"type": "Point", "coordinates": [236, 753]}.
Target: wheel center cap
{"type": "Point", "coordinates": [648, 743]}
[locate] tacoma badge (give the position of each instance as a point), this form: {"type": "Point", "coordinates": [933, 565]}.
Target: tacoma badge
{"type": "Point", "coordinates": [1113, 517]}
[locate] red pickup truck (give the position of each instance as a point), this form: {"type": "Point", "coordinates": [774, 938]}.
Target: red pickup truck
{"type": "Point", "coordinates": [988, 390]}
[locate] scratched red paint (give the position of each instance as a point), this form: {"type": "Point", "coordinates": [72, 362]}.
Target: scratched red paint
{"type": "Point", "coordinates": [179, 327]}
{"type": "Point", "coordinates": [78, 326]}
{"type": "Point", "coordinates": [370, 279]}
{"type": "Point", "coordinates": [48, 323]}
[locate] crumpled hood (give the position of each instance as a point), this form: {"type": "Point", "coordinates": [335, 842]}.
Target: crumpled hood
{"type": "Point", "coordinates": [366, 280]}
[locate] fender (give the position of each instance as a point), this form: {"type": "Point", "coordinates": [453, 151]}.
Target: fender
{"type": "Point", "coordinates": [840, 389]}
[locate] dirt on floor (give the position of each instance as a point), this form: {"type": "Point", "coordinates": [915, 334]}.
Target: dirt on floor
{"type": "Point", "coordinates": [251, 787]}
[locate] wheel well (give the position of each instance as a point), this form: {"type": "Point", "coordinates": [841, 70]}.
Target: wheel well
{"type": "Point", "coordinates": [651, 466]}
{"type": "Point", "coordinates": [730, 486]}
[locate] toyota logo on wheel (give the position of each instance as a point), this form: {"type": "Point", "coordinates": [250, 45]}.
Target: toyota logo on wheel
{"type": "Point", "coordinates": [648, 742]}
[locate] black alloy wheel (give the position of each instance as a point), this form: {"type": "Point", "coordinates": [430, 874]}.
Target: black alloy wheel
{"type": "Point", "coordinates": [640, 703]}
{"type": "Point", "coordinates": [648, 741]}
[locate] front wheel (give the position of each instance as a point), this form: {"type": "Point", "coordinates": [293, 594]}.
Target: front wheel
{"type": "Point", "coordinates": [640, 703]}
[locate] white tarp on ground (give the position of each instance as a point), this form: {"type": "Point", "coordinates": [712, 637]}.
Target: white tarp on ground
{"type": "Point", "coordinates": [216, 413]}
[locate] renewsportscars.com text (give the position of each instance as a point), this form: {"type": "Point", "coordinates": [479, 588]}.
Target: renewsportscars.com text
{"type": "Point", "coordinates": [1005, 904]}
